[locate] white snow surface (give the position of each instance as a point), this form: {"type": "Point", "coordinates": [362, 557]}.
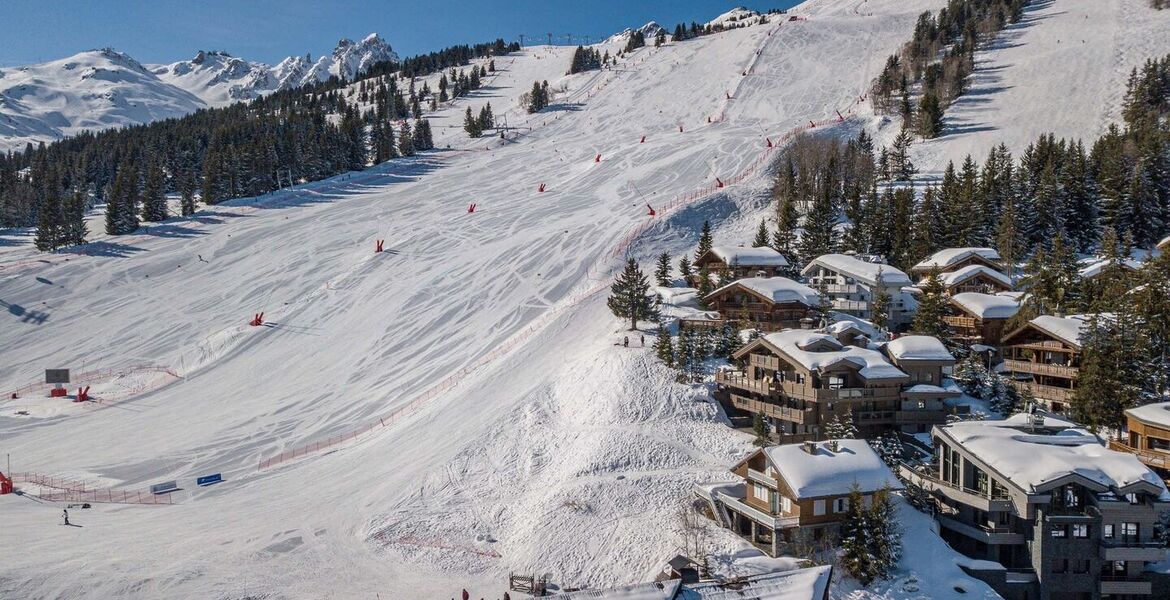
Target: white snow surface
{"type": "Point", "coordinates": [778, 289]}
{"type": "Point", "coordinates": [1094, 266]}
{"type": "Point", "coordinates": [952, 256]}
{"type": "Point", "coordinates": [870, 364]}
{"type": "Point", "coordinates": [564, 454]}
{"type": "Point", "coordinates": [987, 306]}
{"type": "Point", "coordinates": [1031, 461]}
{"type": "Point", "coordinates": [831, 473]}
{"type": "Point", "coordinates": [918, 347]}
{"type": "Point", "coordinates": [858, 269]}
{"type": "Point", "coordinates": [750, 257]}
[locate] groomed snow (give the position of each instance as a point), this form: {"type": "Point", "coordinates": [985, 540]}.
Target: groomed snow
{"type": "Point", "coordinates": [858, 269]}
{"type": "Point", "coordinates": [918, 347]}
{"type": "Point", "coordinates": [945, 258]}
{"type": "Point", "coordinates": [870, 364]}
{"type": "Point", "coordinates": [750, 257]}
{"type": "Point", "coordinates": [1032, 461]}
{"type": "Point", "coordinates": [778, 289]}
{"type": "Point", "coordinates": [829, 472]}
{"type": "Point", "coordinates": [986, 306]}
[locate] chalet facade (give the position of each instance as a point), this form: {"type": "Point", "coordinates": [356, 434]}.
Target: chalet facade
{"type": "Point", "coordinates": [742, 262]}
{"type": "Point", "coordinates": [800, 381]}
{"type": "Point", "coordinates": [1044, 357]}
{"type": "Point", "coordinates": [765, 303]}
{"type": "Point", "coordinates": [979, 319]}
{"type": "Point", "coordinates": [926, 361]}
{"type": "Point", "coordinates": [1147, 436]}
{"type": "Point", "coordinates": [954, 259]}
{"type": "Point", "coordinates": [852, 285]}
{"type": "Point", "coordinates": [1065, 517]}
{"type": "Point", "coordinates": [973, 278]}
{"type": "Point", "coordinates": [792, 498]}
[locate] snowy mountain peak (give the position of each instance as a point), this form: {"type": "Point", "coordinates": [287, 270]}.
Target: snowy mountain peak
{"type": "Point", "coordinates": [651, 30]}
{"type": "Point", "coordinates": [738, 13]}
{"type": "Point", "coordinates": [351, 59]}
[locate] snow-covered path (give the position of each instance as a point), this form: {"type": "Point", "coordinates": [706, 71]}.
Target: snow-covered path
{"type": "Point", "coordinates": [564, 416]}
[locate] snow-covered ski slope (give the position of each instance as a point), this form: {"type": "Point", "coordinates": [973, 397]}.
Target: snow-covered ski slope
{"type": "Point", "coordinates": [1062, 69]}
{"type": "Point", "coordinates": [564, 454]}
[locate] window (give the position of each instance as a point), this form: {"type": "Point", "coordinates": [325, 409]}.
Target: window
{"type": "Point", "coordinates": [1071, 498]}
{"type": "Point", "coordinates": [1060, 565]}
{"type": "Point", "coordinates": [1129, 530]}
{"type": "Point", "coordinates": [760, 492]}
{"type": "Point", "coordinates": [800, 378]}
{"type": "Point", "coordinates": [1080, 530]}
{"type": "Point", "coordinates": [818, 507]}
{"type": "Point", "coordinates": [1058, 531]}
{"type": "Point", "coordinates": [1107, 531]}
{"type": "Point", "coordinates": [786, 504]}
{"type": "Point", "coordinates": [840, 505]}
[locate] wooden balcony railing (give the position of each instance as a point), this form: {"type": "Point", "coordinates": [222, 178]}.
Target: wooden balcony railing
{"type": "Point", "coordinates": [1054, 370]}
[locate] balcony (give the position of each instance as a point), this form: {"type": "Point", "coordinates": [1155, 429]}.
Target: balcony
{"type": "Point", "coordinates": [921, 417]}
{"type": "Point", "coordinates": [1124, 585]}
{"type": "Point", "coordinates": [766, 519]}
{"type": "Point", "coordinates": [850, 305]}
{"type": "Point", "coordinates": [836, 288]}
{"type": "Point", "coordinates": [1151, 458]}
{"type": "Point", "coordinates": [1047, 393]}
{"type": "Point", "coordinates": [992, 536]}
{"type": "Point", "coordinates": [740, 380]}
{"type": "Point", "coordinates": [1121, 549]}
{"type": "Point", "coordinates": [1037, 368]}
{"type": "Point", "coordinates": [982, 500]}
{"type": "Point", "coordinates": [961, 322]}
{"type": "Point", "coordinates": [775, 411]}
{"type": "Point", "coordinates": [763, 478]}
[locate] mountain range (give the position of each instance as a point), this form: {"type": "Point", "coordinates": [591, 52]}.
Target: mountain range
{"type": "Point", "coordinates": [103, 88]}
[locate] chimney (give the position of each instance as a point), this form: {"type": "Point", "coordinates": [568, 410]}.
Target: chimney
{"type": "Point", "coordinates": [809, 447]}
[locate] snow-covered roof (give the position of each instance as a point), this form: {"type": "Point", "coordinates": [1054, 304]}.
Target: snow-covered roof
{"type": "Point", "coordinates": [778, 289]}
{"type": "Point", "coordinates": [1092, 267]}
{"type": "Point", "coordinates": [799, 584]}
{"type": "Point", "coordinates": [926, 388]}
{"type": "Point", "coordinates": [858, 269]}
{"type": "Point", "coordinates": [953, 256]}
{"type": "Point", "coordinates": [793, 343]}
{"type": "Point", "coordinates": [844, 321]}
{"type": "Point", "coordinates": [958, 276]}
{"type": "Point", "coordinates": [749, 257]}
{"type": "Point", "coordinates": [986, 306]}
{"type": "Point", "coordinates": [1067, 329]}
{"type": "Point", "coordinates": [1165, 243]}
{"type": "Point", "coordinates": [828, 473]}
{"type": "Point", "coordinates": [1157, 413]}
{"type": "Point", "coordinates": [918, 347]}
{"type": "Point", "coordinates": [1032, 460]}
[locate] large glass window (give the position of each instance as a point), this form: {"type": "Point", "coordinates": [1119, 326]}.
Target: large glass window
{"type": "Point", "coordinates": [1080, 530]}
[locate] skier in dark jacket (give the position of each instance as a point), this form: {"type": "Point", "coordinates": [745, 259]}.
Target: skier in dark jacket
{"type": "Point", "coordinates": [66, 512]}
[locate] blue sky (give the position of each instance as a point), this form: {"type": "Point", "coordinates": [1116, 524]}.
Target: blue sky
{"type": "Point", "coordinates": [268, 30]}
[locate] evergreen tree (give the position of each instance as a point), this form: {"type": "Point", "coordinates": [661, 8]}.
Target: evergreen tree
{"type": "Point", "coordinates": [486, 119]}
{"type": "Point", "coordinates": [880, 313]}
{"type": "Point", "coordinates": [885, 535]}
{"type": "Point", "coordinates": [630, 296]}
{"type": "Point", "coordinates": [75, 228]}
{"type": "Point", "coordinates": [704, 285]}
{"type": "Point", "coordinates": [930, 116]}
{"type": "Point", "coordinates": [187, 194]}
{"type": "Point", "coordinates": [406, 140]}
{"type": "Point", "coordinates": [705, 240]}
{"type": "Point", "coordinates": [818, 227]}
{"type": "Point", "coordinates": [761, 240]}
{"type": "Point", "coordinates": [901, 167]}
{"type": "Point", "coordinates": [762, 430]}
{"type": "Point", "coordinates": [122, 205]}
{"type": "Point", "coordinates": [932, 308]}
{"type": "Point", "coordinates": [662, 273]}
{"type": "Point", "coordinates": [663, 346]}
{"type": "Point", "coordinates": [471, 124]}
{"type": "Point", "coordinates": [841, 428]}
{"type": "Point", "coordinates": [154, 199]}
{"type": "Point", "coordinates": [729, 340]}
{"type": "Point", "coordinates": [51, 230]}
{"type": "Point", "coordinates": [857, 556]}
{"type": "Point", "coordinates": [684, 269]}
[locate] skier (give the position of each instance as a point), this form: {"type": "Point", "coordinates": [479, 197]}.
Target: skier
{"type": "Point", "coordinates": [201, 259]}
{"type": "Point", "coordinates": [643, 340]}
{"type": "Point", "coordinates": [626, 341]}
{"type": "Point", "coordinates": [66, 511]}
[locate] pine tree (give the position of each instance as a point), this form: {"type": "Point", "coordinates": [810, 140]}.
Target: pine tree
{"type": "Point", "coordinates": [122, 205]}
{"type": "Point", "coordinates": [818, 227]}
{"type": "Point", "coordinates": [75, 228]}
{"type": "Point", "coordinates": [705, 240]}
{"type": "Point", "coordinates": [880, 313]}
{"type": "Point", "coordinates": [187, 194]}
{"type": "Point", "coordinates": [729, 339]}
{"type": "Point", "coordinates": [51, 231]}
{"type": "Point", "coordinates": [154, 200]}
{"type": "Point", "coordinates": [841, 428]}
{"type": "Point", "coordinates": [885, 535]}
{"type": "Point", "coordinates": [684, 269]}
{"type": "Point", "coordinates": [857, 557]}
{"type": "Point", "coordinates": [663, 346]}
{"type": "Point", "coordinates": [704, 285]}
{"type": "Point", "coordinates": [930, 115]}
{"type": "Point", "coordinates": [662, 273]}
{"type": "Point", "coordinates": [471, 124]}
{"type": "Point", "coordinates": [630, 296]}
{"type": "Point", "coordinates": [486, 119]}
{"type": "Point", "coordinates": [406, 141]}
{"type": "Point", "coordinates": [901, 167]}
{"type": "Point", "coordinates": [762, 430]}
{"type": "Point", "coordinates": [761, 240]}
{"type": "Point", "coordinates": [932, 308]}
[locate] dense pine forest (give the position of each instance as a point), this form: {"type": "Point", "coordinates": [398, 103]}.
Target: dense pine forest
{"type": "Point", "coordinates": [241, 150]}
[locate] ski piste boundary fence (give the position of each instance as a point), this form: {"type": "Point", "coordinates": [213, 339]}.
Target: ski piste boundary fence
{"type": "Point", "coordinates": [92, 377]}
{"type": "Point", "coordinates": [71, 490]}
{"type": "Point", "coordinates": [601, 267]}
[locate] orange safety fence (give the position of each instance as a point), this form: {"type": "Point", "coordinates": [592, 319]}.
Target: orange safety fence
{"type": "Point", "coordinates": [64, 489]}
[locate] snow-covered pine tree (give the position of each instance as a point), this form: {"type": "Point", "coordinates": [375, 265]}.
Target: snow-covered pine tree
{"type": "Point", "coordinates": [881, 306]}
{"type": "Point", "coordinates": [405, 140]}
{"type": "Point", "coordinates": [761, 235]}
{"type": "Point", "coordinates": [662, 272]}
{"type": "Point", "coordinates": [75, 229]}
{"type": "Point", "coordinates": [729, 338]}
{"type": "Point", "coordinates": [486, 119]}
{"type": "Point", "coordinates": [762, 430]}
{"type": "Point", "coordinates": [857, 556]}
{"type": "Point", "coordinates": [885, 534]}
{"type": "Point", "coordinates": [932, 306]}
{"type": "Point", "coordinates": [684, 269]}
{"type": "Point", "coordinates": [630, 296]}
{"type": "Point", "coordinates": [50, 234]}
{"type": "Point", "coordinates": [663, 347]}
{"type": "Point", "coordinates": [901, 167]}
{"type": "Point", "coordinates": [705, 240]}
{"type": "Point", "coordinates": [704, 286]}
{"type": "Point", "coordinates": [841, 428]}
{"type": "Point", "coordinates": [187, 193]}
{"type": "Point", "coordinates": [471, 124]}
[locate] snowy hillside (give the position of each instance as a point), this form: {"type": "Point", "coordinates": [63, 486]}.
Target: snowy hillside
{"type": "Point", "coordinates": [1061, 69]}
{"type": "Point", "coordinates": [100, 89]}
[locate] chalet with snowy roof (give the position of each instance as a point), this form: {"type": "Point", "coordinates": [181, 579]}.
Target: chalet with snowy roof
{"type": "Point", "coordinates": [1064, 516]}
{"type": "Point", "coordinates": [979, 319]}
{"type": "Point", "coordinates": [1092, 268]}
{"type": "Point", "coordinates": [924, 399]}
{"type": "Point", "coordinates": [801, 380]}
{"type": "Point", "coordinates": [852, 284]}
{"type": "Point", "coordinates": [765, 303]}
{"type": "Point", "coordinates": [811, 583]}
{"type": "Point", "coordinates": [742, 262]}
{"type": "Point", "coordinates": [793, 497]}
{"type": "Point", "coordinates": [1164, 245]}
{"type": "Point", "coordinates": [973, 278]}
{"type": "Point", "coordinates": [1147, 436]}
{"type": "Point", "coordinates": [953, 259]}
{"type": "Point", "coordinates": [1044, 357]}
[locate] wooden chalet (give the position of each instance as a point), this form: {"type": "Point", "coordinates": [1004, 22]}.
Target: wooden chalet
{"type": "Point", "coordinates": [977, 318]}
{"type": "Point", "coordinates": [973, 278]}
{"type": "Point", "coordinates": [742, 262]}
{"type": "Point", "coordinates": [765, 303]}
{"type": "Point", "coordinates": [792, 498]}
{"type": "Point", "coordinates": [1044, 357]}
{"type": "Point", "coordinates": [927, 361]}
{"type": "Point", "coordinates": [953, 259]}
{"type": "Point", "coordinates": [1147, 436]}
